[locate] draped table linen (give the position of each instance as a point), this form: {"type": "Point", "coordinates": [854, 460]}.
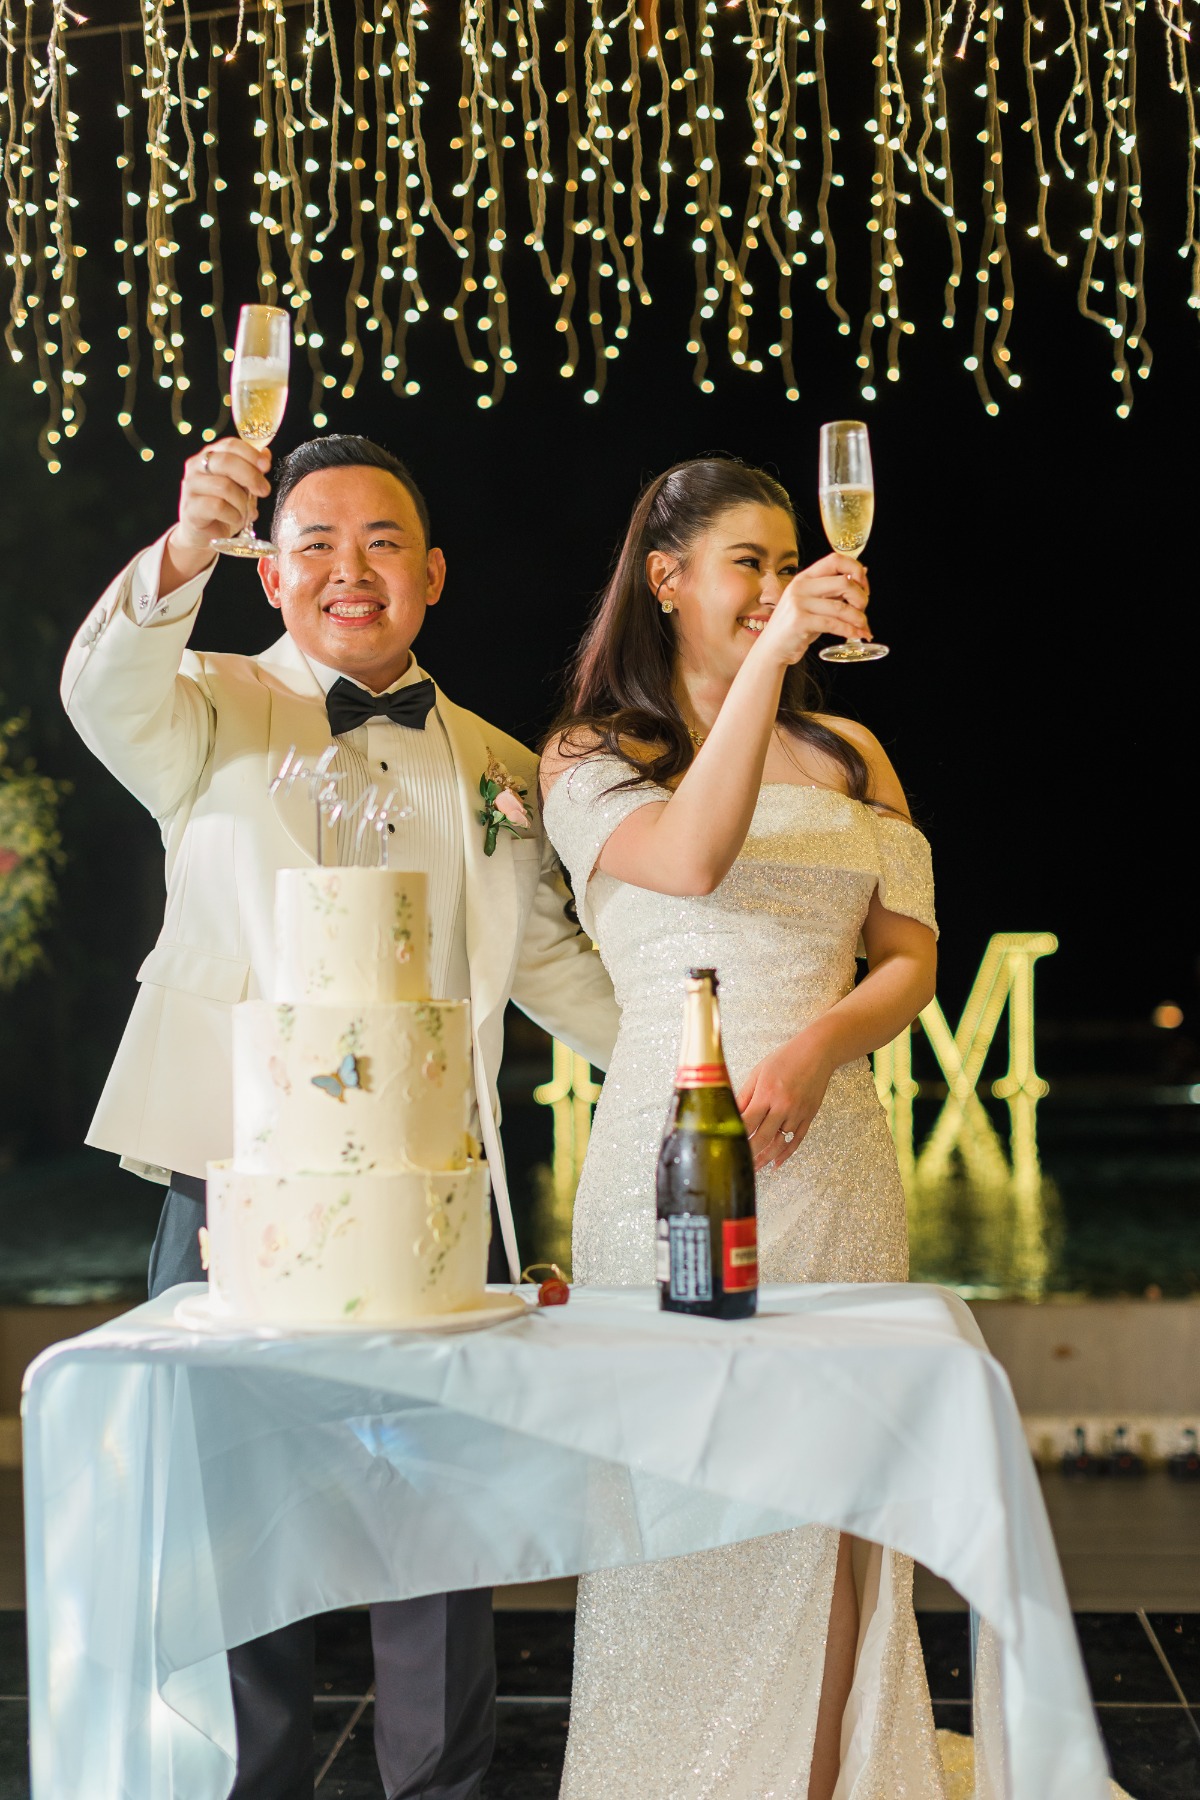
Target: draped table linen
{"type": "Point", "coordinates": [188, 1490]}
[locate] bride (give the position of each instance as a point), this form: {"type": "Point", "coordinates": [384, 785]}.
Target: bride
{"type": "Point", "coordinates": [708, 816]}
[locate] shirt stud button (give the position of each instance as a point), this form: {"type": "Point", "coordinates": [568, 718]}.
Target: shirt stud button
{"type": "Point", "coordinates": [383, 766]}
{"type": "Point", "coordinates": [391, 828]}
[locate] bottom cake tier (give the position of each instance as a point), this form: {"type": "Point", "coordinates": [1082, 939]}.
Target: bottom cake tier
{"type": "Point", "coordinates": [328, 1249]}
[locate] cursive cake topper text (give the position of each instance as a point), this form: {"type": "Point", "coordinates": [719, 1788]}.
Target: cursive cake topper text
{"type": "Point", "coordinates": [376, 811]}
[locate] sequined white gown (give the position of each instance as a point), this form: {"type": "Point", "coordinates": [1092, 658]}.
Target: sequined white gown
{"type": "Point", "coordinates": [699, 1678]}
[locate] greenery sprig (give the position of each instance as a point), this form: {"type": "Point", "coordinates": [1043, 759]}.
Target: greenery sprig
{"type": "Point", "coordinates": [504, 807]}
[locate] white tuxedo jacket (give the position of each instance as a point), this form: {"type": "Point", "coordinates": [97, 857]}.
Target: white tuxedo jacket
{"type": "Point", "coordinates": [196, 739]}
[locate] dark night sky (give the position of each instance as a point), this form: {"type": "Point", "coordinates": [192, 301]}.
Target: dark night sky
{"type": "Point", "coordinates": [1028, 572]}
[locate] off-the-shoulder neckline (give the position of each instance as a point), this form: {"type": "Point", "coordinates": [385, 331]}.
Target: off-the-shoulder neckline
{"type": "Point", "coordinates": [801, 787]}
{"type": "Point", "coordinates": [812, 787]}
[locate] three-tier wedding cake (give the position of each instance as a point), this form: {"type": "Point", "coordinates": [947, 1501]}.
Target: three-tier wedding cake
{"type": "Point", "coordinates": [353, 1195]}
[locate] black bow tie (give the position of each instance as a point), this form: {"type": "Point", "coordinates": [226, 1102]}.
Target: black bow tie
{"type": "Point", "coordinates": [349, 705]}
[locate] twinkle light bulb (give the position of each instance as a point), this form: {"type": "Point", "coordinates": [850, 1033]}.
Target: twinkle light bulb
{"type": "Point", "coordinates": [636, 137]}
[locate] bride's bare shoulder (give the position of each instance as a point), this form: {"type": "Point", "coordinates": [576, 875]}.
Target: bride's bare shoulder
{"type": "Point", "coordinates": [886, 792]}
{"type": "Point", "coordinates": [562, 751]}
{"type": "Point", "coordinates": [863, 740]}
{"type": "Point", "coordinates": [569, 747]}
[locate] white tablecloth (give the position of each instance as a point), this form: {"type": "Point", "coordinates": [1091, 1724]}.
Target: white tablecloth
{"type": "Point", "coordinates": [187, 1491]}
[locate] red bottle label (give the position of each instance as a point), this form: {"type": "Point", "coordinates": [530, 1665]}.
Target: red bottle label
{"type": "Point", "coordinates": [740, 1244]}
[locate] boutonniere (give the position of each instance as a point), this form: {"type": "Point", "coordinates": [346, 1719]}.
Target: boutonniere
{"type": "Point", "coordinates": [504, 807]}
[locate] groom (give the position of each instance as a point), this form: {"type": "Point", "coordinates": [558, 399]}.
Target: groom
{"type": "Point", "coordinates": [196, 737]}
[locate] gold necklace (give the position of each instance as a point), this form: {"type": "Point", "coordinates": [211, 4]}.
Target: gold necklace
{"type": "Point", "coordinates": [700, 737]}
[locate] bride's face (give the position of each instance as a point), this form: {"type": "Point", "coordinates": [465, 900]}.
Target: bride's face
{"type": "Point", "coordinates": [724, 593]}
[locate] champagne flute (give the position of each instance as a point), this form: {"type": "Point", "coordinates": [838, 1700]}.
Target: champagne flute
{"type": "Point", "coordinates": [847, 492]}
{"type": "Point", "coordinates": [258, 391]}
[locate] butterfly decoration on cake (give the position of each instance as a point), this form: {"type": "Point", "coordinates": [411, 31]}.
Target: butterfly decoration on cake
{"type": "Point", "coordinates": [348, 1074]}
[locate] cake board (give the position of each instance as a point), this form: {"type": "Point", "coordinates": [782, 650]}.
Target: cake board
{"type": "Point", "coordinates": [196, 1313]}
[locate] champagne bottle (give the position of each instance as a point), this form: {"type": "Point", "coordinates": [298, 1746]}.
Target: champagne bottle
{"type": "Point", "coordinates": [707, 1227]}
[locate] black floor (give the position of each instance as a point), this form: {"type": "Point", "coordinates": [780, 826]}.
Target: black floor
{"type": "Point", "coordinates": [1144, 1670]}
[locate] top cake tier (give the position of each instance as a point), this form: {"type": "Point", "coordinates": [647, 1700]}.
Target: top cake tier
{"type": "Point", "coordinates": [354, 937]}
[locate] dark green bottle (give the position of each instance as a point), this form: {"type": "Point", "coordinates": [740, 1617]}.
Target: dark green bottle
{"type": "Point", "coordinates": [707, 1226]}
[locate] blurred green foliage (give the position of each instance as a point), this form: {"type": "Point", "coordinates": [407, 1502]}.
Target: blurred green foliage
{"type": "Point", "coordinates": [30, 854]}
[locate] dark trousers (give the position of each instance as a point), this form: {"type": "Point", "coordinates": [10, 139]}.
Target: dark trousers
{"type": "Point", "coordinates": [435, 1657]}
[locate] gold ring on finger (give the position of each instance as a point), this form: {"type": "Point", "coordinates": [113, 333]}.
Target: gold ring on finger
{"type": "Point", "coordinates": [207, 460]}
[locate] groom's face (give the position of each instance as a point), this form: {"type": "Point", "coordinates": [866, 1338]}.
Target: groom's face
{"type": "Point", "coordinates": [354, 574]}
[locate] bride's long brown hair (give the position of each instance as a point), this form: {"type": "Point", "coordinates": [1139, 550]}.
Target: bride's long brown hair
{"type": "Point", "coordinates": [620, 686]}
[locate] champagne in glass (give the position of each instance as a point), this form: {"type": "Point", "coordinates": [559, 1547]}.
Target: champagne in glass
{"type": "Point", "coordinates": [258, 392]}
{"type": "Point", "coordinates": [847, 490]}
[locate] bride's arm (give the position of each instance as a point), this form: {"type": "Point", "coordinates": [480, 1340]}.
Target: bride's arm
{"type": "Point", "coordinates": [687, 844]}
{"type": "Point", "coordinates": [785, 1090]}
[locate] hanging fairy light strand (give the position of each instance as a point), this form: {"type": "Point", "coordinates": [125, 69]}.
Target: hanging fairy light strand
{"type": "Point", "coordinates": [578, 130]}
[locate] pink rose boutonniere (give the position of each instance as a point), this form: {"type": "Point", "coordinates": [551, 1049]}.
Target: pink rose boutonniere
{"type": "Point", "coordinates": [504, 807]}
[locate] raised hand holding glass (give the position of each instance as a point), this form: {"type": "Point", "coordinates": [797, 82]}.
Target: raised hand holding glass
{"type": "Point", "coordinates": [846, 486]}
{"type": "Point", "coordinates": [258, 391]}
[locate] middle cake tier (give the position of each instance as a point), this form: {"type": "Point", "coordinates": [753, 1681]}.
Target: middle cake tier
{"type": "Point", "coordinates": [318, 1089]}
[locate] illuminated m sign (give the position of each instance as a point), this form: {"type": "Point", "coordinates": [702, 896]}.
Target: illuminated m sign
{"type": "Point", "coordinates": [1005, 979]}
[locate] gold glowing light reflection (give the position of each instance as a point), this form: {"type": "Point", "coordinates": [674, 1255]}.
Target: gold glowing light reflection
{"type": "Point", "coordinates": [577, 134]}
{"type": "Point", "coordinates": [570, 1094]}
{"type": "Point", "coordinates": [971, 1203]}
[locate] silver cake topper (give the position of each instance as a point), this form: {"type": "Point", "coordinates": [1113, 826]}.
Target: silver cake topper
{"type": "Point", "coordinates": [376, 813]}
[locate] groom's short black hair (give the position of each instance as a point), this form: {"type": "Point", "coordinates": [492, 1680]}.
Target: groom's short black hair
{"type": "Point", "coordinates": [342, 450]}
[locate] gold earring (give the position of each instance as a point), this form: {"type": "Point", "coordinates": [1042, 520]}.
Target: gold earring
{"type": "Point", "coordinates": [668, 606]}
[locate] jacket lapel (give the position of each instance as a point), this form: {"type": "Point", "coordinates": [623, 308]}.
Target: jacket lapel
{"type": "Point", "coordinates": [298, 721]}
{"type": "Point", "coordinates": [489, 882]}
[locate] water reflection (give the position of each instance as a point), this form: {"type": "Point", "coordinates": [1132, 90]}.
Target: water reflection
{"type": "Point", "coordinates": [980, 1225]}
{"type": "Point", "coordinates": [570, 1094]}
{"type": "Point", "coordinates": [980, 1216]}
